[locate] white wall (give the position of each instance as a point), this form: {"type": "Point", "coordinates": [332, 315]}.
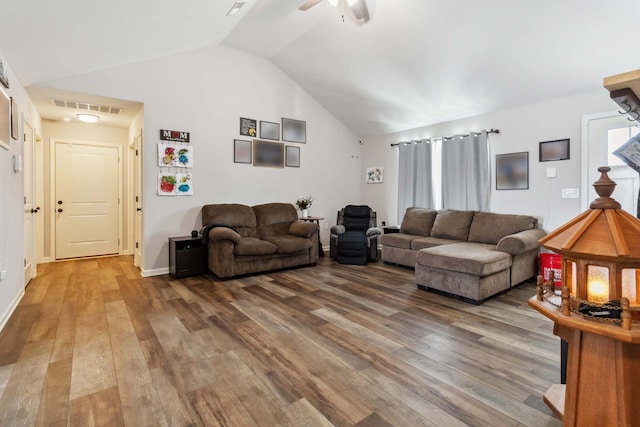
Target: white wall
{"type": "Point", "coordinates": [205, 92]}
{"type": "Point", "coordinates": [77, 131]}
{"type": "Point", "coordinates": [521, 129]}
{"type": "Point", "coordinates": [11, 203]}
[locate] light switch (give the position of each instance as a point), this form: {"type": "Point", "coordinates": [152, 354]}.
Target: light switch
{"type": "Point", "coordinates": [551, 173]}
{"type": "Point", "coordinates": [570, 193]}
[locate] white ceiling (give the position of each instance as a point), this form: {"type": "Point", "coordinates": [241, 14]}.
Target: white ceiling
{"type": "Point", "coordinates": [416, 62]}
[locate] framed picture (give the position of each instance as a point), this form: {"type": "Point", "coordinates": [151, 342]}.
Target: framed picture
{"type": "Point", "coordinates": [374, 175]}
{"type": "Point", "coordinates": [241, 151]}
{"type": "Point", "coordinates": [5, 120]}
{"type": "Point", "coordinates": [267, 153]}
{"type": "Point", "coordinates": [292, 159]}
{"type": "Point", "coordinates": [270, 130]}
{"type": "Point", "coordinates": [512, 171]}
{"type": "Point", "coordinates": [14, 119]}
{"type": "Point", "coordinates": [248, 127]}
{"type": "Point", "coordinates": [4, 78]}
{"type": "Point", "coordinates": [294, 130]}
{"type": "Point", "coordinates": [554, 150]}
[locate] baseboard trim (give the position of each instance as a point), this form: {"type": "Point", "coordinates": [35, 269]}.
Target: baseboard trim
{"type": "Point", "coordinates": [11, 309]}
{"type": "Point", "coordinates": [154, 272]}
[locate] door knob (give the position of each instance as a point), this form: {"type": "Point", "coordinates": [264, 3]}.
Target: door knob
{"type": "Point", "coordinates": [138, 209]}
{"type": "Point", "coordinates": [34, 210]}
{"type": "Point", "coordinates": [60, 210]}
{"type": "Point", "coordinates": [59, 202]}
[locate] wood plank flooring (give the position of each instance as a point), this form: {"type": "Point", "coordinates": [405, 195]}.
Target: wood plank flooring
{"type": "Point", "coordinates": [93, 343]}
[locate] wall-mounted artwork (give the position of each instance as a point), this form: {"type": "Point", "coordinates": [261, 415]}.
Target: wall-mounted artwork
{"type": "Point", "coordinates": [374, 175]}
{"type": "Point", "coordinates": [554, 150]}
{"type": "Point", "coordinates": [241, 151]}
{"type": "Point", "coordinates": [512, 171]}
{"type": "Point", "coordinates": [184, 186]}
{"type": "Point", "coordinates": [294, 130]}
{"type": "Point", "coordinates": [292, 159]}
{"type": "Point", "coordinates": [267, 153]}
{"type": "Point", "coordinates": [4, 77]}
{"type": "Point", "coordinates": [248, 127]}
{"type": "Point", "coordinates": [174, 184]}
{"type": "Point", "coordinates": [14, 119]}
{"type": "Point", "coordinates": [174, 135]}
{"type": "Point", "coordinates": [270, 130]}
{"type": "Point", "coordinates": [5, 120]}
{"type": "Point", "coordinates": [175, 155]}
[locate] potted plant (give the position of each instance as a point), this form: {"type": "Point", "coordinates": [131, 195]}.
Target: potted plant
{"type": "Point", "coordinates": [303, 204]}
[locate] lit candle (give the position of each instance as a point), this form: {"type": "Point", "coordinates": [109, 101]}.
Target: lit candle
{"type": "Point", "coordinates": [598, 284]}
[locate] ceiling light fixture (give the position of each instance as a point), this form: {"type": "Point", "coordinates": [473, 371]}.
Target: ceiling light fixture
{"type": "Point", "coordinates": [236, 7]}
{"type": "Point", "coordinates": [88, 118]}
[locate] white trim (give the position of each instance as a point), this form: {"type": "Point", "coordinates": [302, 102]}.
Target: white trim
{"type": "Point", "coordinates": [154, 272]}
{"type": "Point", "coordinates": [7, 314]}
{"type": "Point", "coordinates": [52, 188]}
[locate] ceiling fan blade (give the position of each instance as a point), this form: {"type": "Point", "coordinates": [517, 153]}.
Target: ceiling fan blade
{"type": "Point", "coordinates": [309, 4]}
{"type": "Point", "coordinates": [359, 9]}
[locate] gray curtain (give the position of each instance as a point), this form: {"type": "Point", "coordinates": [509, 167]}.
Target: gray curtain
{"type": "Point", "coordinates": [414, 176]}
{"type": "Point", "coordinates": [465, 173]}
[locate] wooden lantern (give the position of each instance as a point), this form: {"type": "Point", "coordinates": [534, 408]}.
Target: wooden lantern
{"type": "Point", "coordinates": [600, 300]}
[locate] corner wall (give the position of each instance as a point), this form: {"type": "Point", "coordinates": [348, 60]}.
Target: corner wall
{"type": "Point", "coordinates": [521, 129]}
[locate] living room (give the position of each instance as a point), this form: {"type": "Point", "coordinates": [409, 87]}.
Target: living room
{"type": "Point", "coordinates": [206, 89]}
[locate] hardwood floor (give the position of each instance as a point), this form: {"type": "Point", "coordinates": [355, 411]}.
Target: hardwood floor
{"type": "Point", "coordinates": [93, 343]}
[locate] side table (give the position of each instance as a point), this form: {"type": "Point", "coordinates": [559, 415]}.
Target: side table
{"type": "Point", "coordinates": [187, 256]}
{"type": "Point", "coordinates": [391, 229]}
{"type": "Point", "coordinates": [317, 220]}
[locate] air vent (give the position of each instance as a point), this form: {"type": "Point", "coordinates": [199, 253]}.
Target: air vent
{"type": "Point", "coordinates": [83, 106]}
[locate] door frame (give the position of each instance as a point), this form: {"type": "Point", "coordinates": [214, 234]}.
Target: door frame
{"type": "Point", "coordinates": [52, 188]}
{"type": "Point", "coordinates": [29, 169]}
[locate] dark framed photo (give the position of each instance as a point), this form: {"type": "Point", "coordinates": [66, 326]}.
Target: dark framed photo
{"type": "Point", "coordinates": [241, 151]}
{"type": "Point", "coordinates": [292, 158]}
{"type": "Point", "coordinates": [554, 150]}
{"type": "Point", "coordinates": [248, 127]}
{"type": "Point", "coordinates": [14, 119]}
{"type": "Point", "coordinates": [512, 171]}
{"type": "Point", "coordinates": [4, 78]}
{"type": "Point", "coordinates": [5, 120]}
{"type": "Point", "coordinates": [270, 130]}
{"type": "Point", "coordinates": [268, 153]}
{"type": "Point", "coordinates": [294, 130]}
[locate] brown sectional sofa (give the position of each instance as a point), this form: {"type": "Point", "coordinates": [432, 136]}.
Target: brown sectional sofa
{"type": "Point", "coordinates": [470, 254]}
{"type": "Point", "coordinates": [243, 239]}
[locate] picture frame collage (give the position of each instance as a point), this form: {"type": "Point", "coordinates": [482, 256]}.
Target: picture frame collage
{"type": "Point", "coordinates": [267, 146]}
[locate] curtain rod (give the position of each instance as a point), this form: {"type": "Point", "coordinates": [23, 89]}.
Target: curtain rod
{"type": "Point", "coordinates": [452, 136]}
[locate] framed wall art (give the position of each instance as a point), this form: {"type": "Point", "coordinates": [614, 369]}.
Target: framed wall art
{"type": "Point", "coordinates": [292, 158]}
{"type": "Point", "coordinates": [294, 130]}
{"type": "Point", "coordinates": [4, 77]}
{"type": "Point", "coordinates": [374, 175]}
{"type": "Point", "coordinates": [512, 171]}
{"type": "Point", "coordinates": [268, 153]}
{"type": "Point", "coordinates": [270, 130]}
{"type": "Point", "coordinates": [5, 120]}
{"type": "Point", "coordinates": [554, 150]}
{"type": "Point", "coordinates": [248, 127]}
{"type": "Point", "coordinates": [241, 151]}
{"type": "Point", "coordinates": [14, 119]}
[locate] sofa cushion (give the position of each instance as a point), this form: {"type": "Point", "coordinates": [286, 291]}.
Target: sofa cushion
{"type": "Point", "coordinates": [429, 242]}
{"type": "Point", "coordinates": [418, 221]}
{"type": "Point", "coordinates": [274, 218]}
{"type": "Point", "coordinates": [288, 244]}
{"type": "Point", "coordinates": [398, 240]}
{"type": "Point", "coordinates": [240, 217]}
{"type": "Point", "coordinates": [253, 246]}
{"type": "Point", "coordinates": [488, 227]}
{"type": "Point", "coordinates": [479, 259]}
{"type": "Point", "coordinates": [452, 224]}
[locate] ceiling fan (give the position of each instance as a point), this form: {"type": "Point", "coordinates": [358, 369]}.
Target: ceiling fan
{"type": "Point", "coordinates": [357, 7]}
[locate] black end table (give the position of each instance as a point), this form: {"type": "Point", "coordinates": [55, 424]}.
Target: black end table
{"type": "Point", "coordinates": [187, 256]}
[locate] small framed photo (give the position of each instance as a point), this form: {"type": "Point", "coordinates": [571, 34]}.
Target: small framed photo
{"type": "Point", "coordinates": [374, 175]}
{"type": "Point", "coordinates": [294, 130]}
{"type": "Point", "coordinates": [248, 127]}
{"type": "Point", "coordinates": [554, 150]}
{"type": "Point", "coordinates": [268, 153]}
{"type": "Point", "coordinates": [4, 78]}
{"type": "Point", "coordinates": [292, 158]}
{"type": "Point", "coordinates": [270, 130]}
{"type": "Point", "coordinates": [14, 119]}
{"type": "Point", "coordinates": [512, 171]}
{"type": "Point", "coordinates": [241, 151]}
{"type": "Point", "coordinates": [5, 120]}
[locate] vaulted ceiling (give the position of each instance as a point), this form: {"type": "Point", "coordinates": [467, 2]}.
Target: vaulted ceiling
{"type": "Point", "coordinates": [416, 62]}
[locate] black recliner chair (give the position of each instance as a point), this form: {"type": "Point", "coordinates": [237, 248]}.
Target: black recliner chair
{"type": "Point", "coordinates": [354, 238]}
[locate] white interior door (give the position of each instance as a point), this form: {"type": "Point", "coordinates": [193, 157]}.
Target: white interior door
{"type": "Point", "coordinates": [86, 205]}
{"type": "Point", "coordinates": [137, 251]}
{"type": "Point", "coordinates": [29, 206]}
{"type": "Point", "coordinates": [605, 135]}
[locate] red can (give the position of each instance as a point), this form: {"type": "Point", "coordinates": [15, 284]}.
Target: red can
{"type": "Point", "coordinates": [551, 262]}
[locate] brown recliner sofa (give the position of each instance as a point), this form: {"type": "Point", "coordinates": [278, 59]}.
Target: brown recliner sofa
{"type": "Point", "coordinates": [245, 239]}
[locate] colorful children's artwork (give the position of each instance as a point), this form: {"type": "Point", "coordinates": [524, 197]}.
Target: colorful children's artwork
{"type": "Point", "coordinates": [176, 155]}
{"type": "Point", "coordinates": [175, 184]}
